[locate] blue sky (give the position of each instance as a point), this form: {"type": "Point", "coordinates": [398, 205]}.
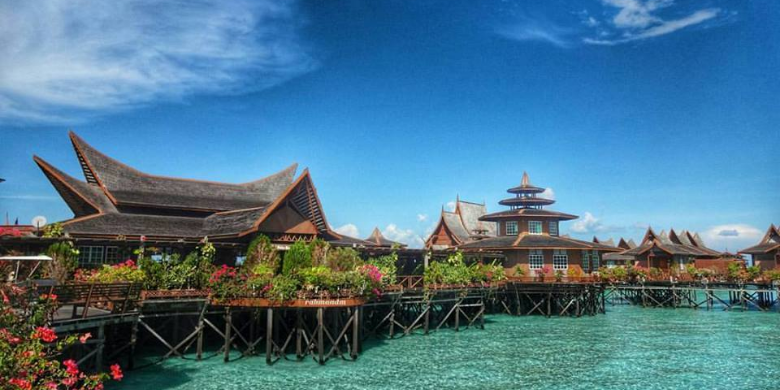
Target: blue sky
{"type": "Point", "coordinates": [634, 113]}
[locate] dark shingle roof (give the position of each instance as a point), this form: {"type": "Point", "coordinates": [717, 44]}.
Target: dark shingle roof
{"type": "Point", "coordinates": [530, 241]}
{"type": "Point", "coordinates": [136, 224]}
{"type": "Point", "coordinates": [527, 213]}
{"type": "Point", "coordinates": [130, 186]}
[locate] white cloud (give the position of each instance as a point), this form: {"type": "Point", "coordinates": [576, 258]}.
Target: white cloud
{"type": "Point", "coordinates": [636, 20]}
{"type": "Point", "coordinates": [548, 194]}
{"type": "Point", "coordinates": [348, 230]}
{"type": "Point", "coordinates": [406, 236]}
{"type": "Point", "coordinates": [731, 236]}
{"type": "Point", "coordinates": [587, 224]}
{"type": "Point", "coordinates": [422, 217]}
{"type": "Point", "coordinates": [63, 60]}
{"type": "Point", "coordinates": [450, 206]}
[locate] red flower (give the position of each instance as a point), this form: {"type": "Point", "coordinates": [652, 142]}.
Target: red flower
{"type": "Point", "coordinates": [71, 367]}
{"type": "Point", "coordinates": [45, 334]}
{"type": "Point", "coordinates": [44, 297]}
{"type": "Point", "coordinates": [21, 383]}
{"type": "Point", "coordinates": [116, 372]}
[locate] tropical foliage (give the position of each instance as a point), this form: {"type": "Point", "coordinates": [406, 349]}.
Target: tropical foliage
{"type": "Point", "coordinates": [455, 271]}
{"type": "Point", "coordinates": [308, 270]}
{"type": "Point", "coordinates": [29, 350]}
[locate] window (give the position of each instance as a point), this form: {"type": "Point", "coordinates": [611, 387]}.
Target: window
{"type": "Point", "coordinates": [112, 255]}
{"type": "Point", "coordinates": [553, 228]}
{"type": "Point", "coordinates": [511, 228]}
{"type": "Point", "coordinates": [585, 261]}
{"type": "Point", "coordinates": [560, 260]}
{"type": "Point", "coordinates": [595, 259]}
{"type": "Point", "coordinates": [90, 255]}
{"type": "Point", "coordinates": [534, 227]}
{"type": "Point", "coordinates": [535, 259]}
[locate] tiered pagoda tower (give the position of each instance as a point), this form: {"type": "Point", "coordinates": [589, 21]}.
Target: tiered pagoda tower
{"type": "Point", "coordinates": [528, 235]}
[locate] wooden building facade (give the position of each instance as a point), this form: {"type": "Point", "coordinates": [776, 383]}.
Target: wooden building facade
{"type": "Point", "coordinates": [528, 236]}
{"type": "Point", "coordinates": [672, 250]}
{"type": "Point", "coordinates": [766, 254]}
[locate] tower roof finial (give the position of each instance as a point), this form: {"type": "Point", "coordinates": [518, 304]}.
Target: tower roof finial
{"type": "Point", "coordinates": [526, 181]}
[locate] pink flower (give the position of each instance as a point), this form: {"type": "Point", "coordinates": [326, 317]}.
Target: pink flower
{"type": "Point", "coordinates": [116, 372]}
{"type": "Point", "coordinates": [86, 336]}
{"type": "Point", "coordinates": [71, 367]}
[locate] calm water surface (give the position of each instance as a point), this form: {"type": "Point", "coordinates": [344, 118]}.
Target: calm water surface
{"type": "Point", "coordinates": [629, 348]}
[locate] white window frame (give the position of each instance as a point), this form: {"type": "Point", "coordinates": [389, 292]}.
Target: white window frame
{"type": "Point", "coordinates": [586, 265]}
{"type": "Point", "coordinates": [509, 232]}
{"type": "Point", "coordinates": [89, 256]}
{"type": "Point", "coordinates": [594, 260]}
{"type": "Point", "coordinates": [560, 260]}
{"type": "Point", "coordinates": [116, 258]}
{"type": "Point", "coordinates": [553, 228]}
{"type": "Point", "coordinates": [535, 223]}
{"type": "Point", "coordinates": [535, 259]}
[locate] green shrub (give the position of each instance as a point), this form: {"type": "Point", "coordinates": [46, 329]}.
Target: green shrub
{"type": "Point", "coordinates": [64, 261]}
{"type": "Point", "coordinates": [262, 251]}
{"type": "Point", "coordinates": [319, 252]}
{"type": "Point", "coordinates": [296, 258]}
{"type": "Point", "coordinates": [316, 278]}
{"type": "Point", "coordinates": [773, 275]}
{"type": "Point", "coordinates": [283, 288]}
{"type": "Point", "coordinates": [344, 259]}
{"type": "Point", "coordinates": [753, 272]}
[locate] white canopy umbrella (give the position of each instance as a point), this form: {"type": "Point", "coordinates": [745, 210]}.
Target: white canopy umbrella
{"type": "Point", "coordinates": [19, 259]}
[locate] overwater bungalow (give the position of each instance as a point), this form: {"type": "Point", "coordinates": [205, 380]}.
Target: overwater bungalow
{"type": "Point", "coordinates": [664, 250]}
{"type": "Point", "coordinates": [614, 259]}
{"type": "Point", "coordinates": [527, 235]}
{"type": "Point", "coordinates": [766, 254]}
{"type": "Point", "coordinates": [461, 226]}
{"type": "Point", "coordinates": [118, 207]}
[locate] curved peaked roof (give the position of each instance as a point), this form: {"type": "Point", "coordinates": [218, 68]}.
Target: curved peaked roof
{"type": "Point", "coordinates": [117, 200]}
{"type": "Point", "coordinates": [378, 239]}
{"type": "Point", "coordinates": [127, 186]}
{"type": "Point", "coordinates": [769, 243]}
{"type": "Point", "coordinates": [684, 243]}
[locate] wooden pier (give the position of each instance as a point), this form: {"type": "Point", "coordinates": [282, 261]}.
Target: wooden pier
{"type": "Point", "coordinates": [124, 320]}
{"type": "Point", "coordinates": [713, 296]}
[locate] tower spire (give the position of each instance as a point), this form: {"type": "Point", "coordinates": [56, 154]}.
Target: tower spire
{"type": "Point", "coordinates": [526, 182]}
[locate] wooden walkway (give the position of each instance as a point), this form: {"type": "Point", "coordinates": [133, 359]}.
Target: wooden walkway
{"type": "Point", "coordinates": [746, 297]}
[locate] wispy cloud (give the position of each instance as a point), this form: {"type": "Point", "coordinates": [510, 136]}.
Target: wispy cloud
{"type": "Point", "coordinates": [422, 217]}
{"type": "Point", "coordinates": [63, 60]}
{"type": "Point", "coordinates": [611, 22]}
{"type": "Point", "coordinates": [635, 21]}
{"type": "Point", "coordinates": [536, 29]}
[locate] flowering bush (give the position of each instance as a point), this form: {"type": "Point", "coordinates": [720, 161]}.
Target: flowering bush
{"type": "Point", "coordinates": [126, 271]}
{"type": "Point", "coordinates": [226, 282]}
{"type": "Point", "coordinates": [29, 349]}
{"type": "Point", "coordinates": [455, 272]}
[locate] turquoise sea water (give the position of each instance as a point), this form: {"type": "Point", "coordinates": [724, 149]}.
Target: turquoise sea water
{"type": "Point", "coordinates": [629, 348]}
